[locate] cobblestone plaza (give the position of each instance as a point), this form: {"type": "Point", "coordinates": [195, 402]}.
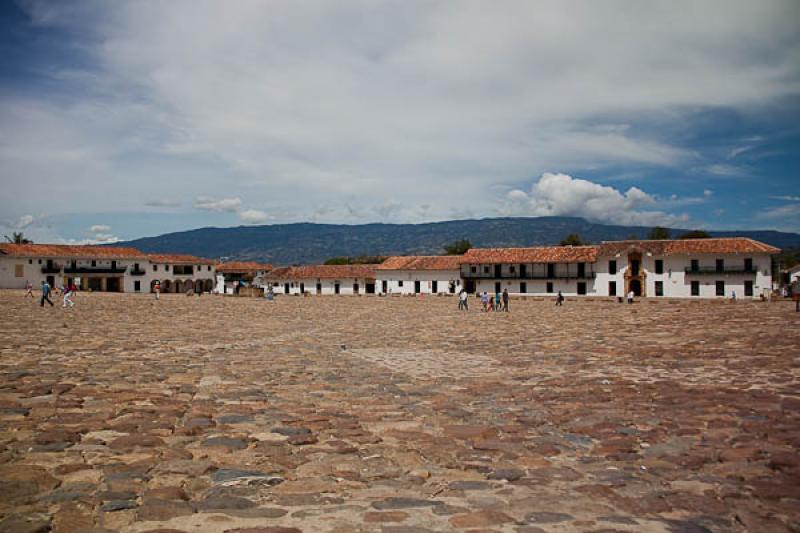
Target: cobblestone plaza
{"type": "Point", "coordinates": [398, 414]}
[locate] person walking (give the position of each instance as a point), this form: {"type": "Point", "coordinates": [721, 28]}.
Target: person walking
{"type": "Point", "coordinates": [497, 301]}
{"type": "Point", "coordinates": [560, 299]}
{"type": "Point", "coordinates": [463, 299]}
{"type": "Point", "coordinates": [29, 289]}
{"type": "Point", "coordinates": [505, 300]}
{"type": "Point", "coordinates": [66, 290]}
{"type": "Point", "coordinates": [485, 301]}
{"type": "Point", "coordinates": [630, 297]}
{"type": "Point", "coordinates": [157, 289]}
{"type": "Point", "coordinates": [46, 294]}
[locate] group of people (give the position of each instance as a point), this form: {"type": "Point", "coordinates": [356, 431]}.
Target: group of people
{"type": "Point", "coordinates": [67, 291]}
{"type": "Point", "coordinates": [498, 303]}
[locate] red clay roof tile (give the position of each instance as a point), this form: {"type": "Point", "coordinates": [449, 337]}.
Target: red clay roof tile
{"type": "Point", "coordinates": [421, 262]}
{"type": "Point", "coordinates": [70, 250]}
{"type": "Point", "coordinates": [324, 272]}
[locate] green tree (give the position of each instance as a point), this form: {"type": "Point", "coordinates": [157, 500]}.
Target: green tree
{"type": "Point", "coordinates": [18, 238]}
{"type": "Point", "coordinates": [695, 234]}
{"type": "Point", "coordinates": [573, 239]}
{"type": "Point", "coordinates": [459, 247]}
{"type": "Point", "coordinates": [659, 234]}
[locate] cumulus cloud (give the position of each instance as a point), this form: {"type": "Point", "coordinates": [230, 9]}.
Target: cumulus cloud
{"type": "Point", "coordinates": [99, 228]}
{"type": "Point", "coordinates": [207, 203]}
{"type": "Point", "coordinates": [563, 195]}
{"type": "Point", "coordinates": [254, 216]}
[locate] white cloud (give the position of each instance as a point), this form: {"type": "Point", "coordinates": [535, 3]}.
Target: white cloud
{"type": "Point", "coordinates": [25, 221]}
{"type": "Point", "coordinates": [161, 203]}
{"type": "Point", "coordinates": [563, 195]}
{"type": "Point", "coordinates": [722, 169]}
{"type": "Point", "coordinates": [788, 211]}
{"type": "Point", "coordinates": [786, 198]}
{"type": "Point", "coordinates": [99, 228]}
{"type": "Point", "coordinates": [254, 216]}
{"type": "Point", "coordinates": [104, 238]}
{"type": "Point", "coordinates": [207, 203]}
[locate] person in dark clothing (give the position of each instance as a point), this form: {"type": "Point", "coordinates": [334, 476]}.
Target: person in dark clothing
{"type": "Point", "coordinates": [560, 299]}
{"type": "Point", "coordinates": [505, 300]}
{"type": "Point", "coordinates": [45, 294]}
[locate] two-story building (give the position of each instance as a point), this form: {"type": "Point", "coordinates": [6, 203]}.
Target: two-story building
{"type": "Point", "coordinates": [323, 279]}
{"type": "Point", "coordinates": [102, 268]}
{"type": "Point", "coordinates": [181, 273]}
{"type": "Point", "coordinates": [233, 273]}
{"type": "Point", "coordinates": [419, 274]}
{"type": "Point", "coordinates": [537, 270]}
{"type": "Point", "coordinates": [683, 268]}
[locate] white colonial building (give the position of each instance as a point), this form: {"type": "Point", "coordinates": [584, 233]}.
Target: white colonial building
{"type": "Point", "coordinates": [235, 273]}
{"type": "Point", "coordinates": [323, 279]}
{"type": "Point", "coordinates": [437, 274]}
{"type": "Point", "coordinates": [181, 273]}
{"type": "Point", "coordinates": [686, 268]}
{"type": "Point", "coordinates": [538, 270]}
{"type": "Point", "coordinates": [100, 268]}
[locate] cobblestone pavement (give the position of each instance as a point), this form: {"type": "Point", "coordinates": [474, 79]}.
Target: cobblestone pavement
{"type": "Point", "coordinates": [398, 415]}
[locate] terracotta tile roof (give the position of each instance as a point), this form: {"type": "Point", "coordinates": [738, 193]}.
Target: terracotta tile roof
{"type": "Point", "coordinates": [324, 272]}
{"type": "Point", "coordinates": [421, 262]}
{"type": "Point", "coordinates": [728, 245]}
{"type": "Point", "coordinates": [538, 254]}
{"type": "Point", "coordinates": [179, 259]}
{"type": "Point", "coordinates": [69, 250]}
{"type": "Point", "coordinates": [242, 267]}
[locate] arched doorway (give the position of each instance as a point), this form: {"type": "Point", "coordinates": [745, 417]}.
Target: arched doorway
{"type": "Point", "coordinates": [178, 286]}
{"type": "Point", "coordinates": [209, 285]}
{"type": "Point", "coordinates": [153, 285]}
{"type": "Point", "coordinates": [188, 286]}
{"type": "Point", "coordinates": [635, 286]}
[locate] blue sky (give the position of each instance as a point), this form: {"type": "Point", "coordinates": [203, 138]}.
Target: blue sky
{"type": "Point", "coordinates": [127, 119]}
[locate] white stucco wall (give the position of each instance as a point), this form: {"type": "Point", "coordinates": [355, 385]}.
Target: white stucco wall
{"type": "Point", "coordinates": [402, 281]}
{"type": "Point", "coordinates": [677, 283]}
{"type": "Point", "coordinates": [309, 286]}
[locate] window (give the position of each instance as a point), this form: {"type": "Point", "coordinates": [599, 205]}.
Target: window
{"type": "Point", "coordinates": [30, 261]}
{"type": "Point", "coordinates": [94, 263]}
{"type": "Point", "coordinates": [612, 288]}
{"type": "Point", "coordinates": [720, 288]}
{"type": "Point", "coordinates": [748, 264]}
{"type": "Point", "coordinates": [183, 270]}
{"type": "Point", "coordinates": [400, 283]}
{"type": "Point", "coordinates": [748, 288]}
{"type": "Point", "coordinates": [551, 271]}
{"type": "Point", "coordinates": [486, 270]}
{"type": "Point", "coordinates": [136, 267]}
{"type": "Point", "coordinates": [659, 266]}
{"type": "Point", "coordinates": [209, 268]}
{"type": "Point", "coordinates": [512, 269]}
{"type": "Point", "coordinates": [137, 286]}
{"type": "Point", "coordinates": [19, 271]}
{"type": "Point", "coordinates": [549, 286]}
{"type": "Point", "coordinates": [659, 288]}
{"type": "Point", "coordinates": [523, 287]}
{"type": "Point", "coordinates": [166, 267]}
{"type": "Point", "coordinates": [612, 267]}
{"type": "Point", "coordinates": [720, 265]}
{"type": "Point", "coordinates": [695, 288]}
{"type": "Point", "coordinates": [473, 269]}
{"type": "Point", "coordinates": [582, 287]}
{"type": "Point", "coordinates": [581, 270]}
{"type": "Point", "coordinates": [695, 265]}
{"type": "Point", "coordinates": [155, 268]}
{"type": "Point", "coordinates": [73, 264]}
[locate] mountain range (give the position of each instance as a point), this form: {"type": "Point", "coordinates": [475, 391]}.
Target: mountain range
{"type": "Point", "coordinates": [309, 243]}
